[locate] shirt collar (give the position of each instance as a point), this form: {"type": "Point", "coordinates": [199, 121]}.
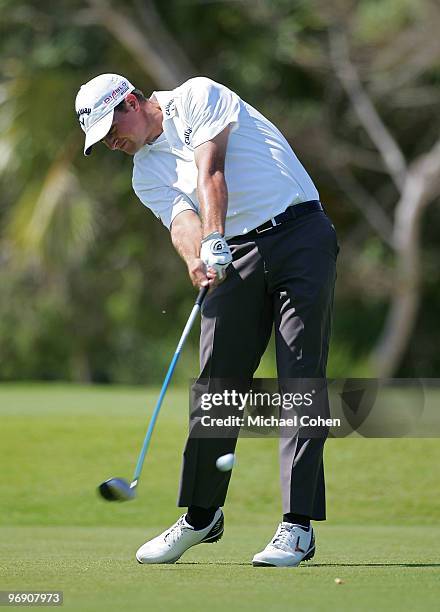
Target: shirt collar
{"type": "Point", "coordinates": [149, 146]}
{"type": "Point", "coordinates": [166, 101]}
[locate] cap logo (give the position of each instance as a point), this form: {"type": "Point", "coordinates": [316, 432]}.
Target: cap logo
{"type": "Point", "coordinates": [123, 87]}
{"type": "Point", "coordinates": [83, 111]}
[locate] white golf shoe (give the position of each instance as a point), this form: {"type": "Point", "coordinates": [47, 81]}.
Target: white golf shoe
{"type": "Point", "coordinates": [290, 545]}
{"type": "Point", "coordinates": [172, 543]}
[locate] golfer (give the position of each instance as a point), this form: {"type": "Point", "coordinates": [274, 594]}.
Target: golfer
{"type": "Point", "coordinates": [245, 216]}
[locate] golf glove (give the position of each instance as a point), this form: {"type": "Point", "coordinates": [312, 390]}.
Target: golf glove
{"type": "Point", "coordinates": [216, 254]}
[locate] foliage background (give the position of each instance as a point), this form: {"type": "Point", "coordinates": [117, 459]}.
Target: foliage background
{"type": "Point", "coordinates": [91, 289]}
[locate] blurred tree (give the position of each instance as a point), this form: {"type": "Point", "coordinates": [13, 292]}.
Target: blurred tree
{"type": "Point", "coordinates": [71, 248]}
{"type": "Point", "coordinates": [384, 58]}
{"type": "Point", "coordinates": [86, 272]}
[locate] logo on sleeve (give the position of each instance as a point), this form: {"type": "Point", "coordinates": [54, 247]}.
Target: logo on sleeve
{"type": "Point", "coordinates": [169, 108]}
{"type": "Point", "coordinates": [187, 134]}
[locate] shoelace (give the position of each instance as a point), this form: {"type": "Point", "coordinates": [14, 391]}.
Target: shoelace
{"type": "Point", "coordinates": [175, 532]}
{"type": "Point", "coordinates": [283, 537]}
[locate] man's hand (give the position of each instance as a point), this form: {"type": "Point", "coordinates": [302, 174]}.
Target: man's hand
{"type": "Point", "coordinates": [186, 234]}
{"type": "Point", "coordinates": [216, 254]}
{"type": "Point", "coordinates": [199, 275]}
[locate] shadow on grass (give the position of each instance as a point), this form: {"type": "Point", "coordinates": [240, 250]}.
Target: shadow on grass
{"type": "Point", "coordinates": [244, 563]}
{"type": "Point", "coordinates": [373, 565]}
{"type": "Point", "coordinates": [312, 565]}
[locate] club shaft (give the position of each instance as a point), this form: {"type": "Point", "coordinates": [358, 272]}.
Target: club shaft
{"type": "Point", "coordinates": [156, 411]}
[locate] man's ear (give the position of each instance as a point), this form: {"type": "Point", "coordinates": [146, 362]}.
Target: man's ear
{"type": "Point", "coordinates": [132, 101]}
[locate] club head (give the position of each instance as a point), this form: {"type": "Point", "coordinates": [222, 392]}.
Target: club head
{"type": "Point", "coordinates": [117, 489]}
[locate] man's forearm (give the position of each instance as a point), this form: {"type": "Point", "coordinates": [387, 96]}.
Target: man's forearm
{"type": "Point", "coordinates": [213, 199]}
{"type": "Point", "coordinates": [212, 191]}
{"type": "Point", "coordinates": [186, 236]}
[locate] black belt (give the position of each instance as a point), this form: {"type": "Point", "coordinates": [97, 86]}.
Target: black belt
{"type": "Point", "coordinates": [293, 212]}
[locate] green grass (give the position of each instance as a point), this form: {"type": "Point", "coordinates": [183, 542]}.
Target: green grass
{"type": "Point", "coordinates": [94, 566]}
{"type": "Point", "coordinates": [57, 442]}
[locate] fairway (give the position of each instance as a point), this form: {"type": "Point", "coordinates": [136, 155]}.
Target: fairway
{"type": "Point", "coordinates": [58, 442]}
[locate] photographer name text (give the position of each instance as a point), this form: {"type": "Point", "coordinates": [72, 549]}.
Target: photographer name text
{"type": "Point", "coordinates": [270, 421]}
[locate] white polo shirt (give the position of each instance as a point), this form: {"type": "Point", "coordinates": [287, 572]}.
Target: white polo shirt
{"type": "Point", "coordinates": [262, 173]}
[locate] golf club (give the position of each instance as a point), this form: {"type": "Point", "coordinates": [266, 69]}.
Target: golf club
{"type": "Point", "coordinates": [118, 489]}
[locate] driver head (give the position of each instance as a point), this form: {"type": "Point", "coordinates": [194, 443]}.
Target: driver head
{"type": "Point", "coordinates": [116, 489]}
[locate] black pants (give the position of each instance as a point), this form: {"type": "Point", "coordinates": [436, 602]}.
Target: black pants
{"type": "Point", "coordinates": [283, 278]}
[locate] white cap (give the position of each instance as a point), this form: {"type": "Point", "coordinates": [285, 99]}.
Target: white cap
{"type": "Point", "coordinates": [95, 104]}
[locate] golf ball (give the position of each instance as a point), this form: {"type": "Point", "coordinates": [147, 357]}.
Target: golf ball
{"type": "Point", "coordinates": [225, 463]}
